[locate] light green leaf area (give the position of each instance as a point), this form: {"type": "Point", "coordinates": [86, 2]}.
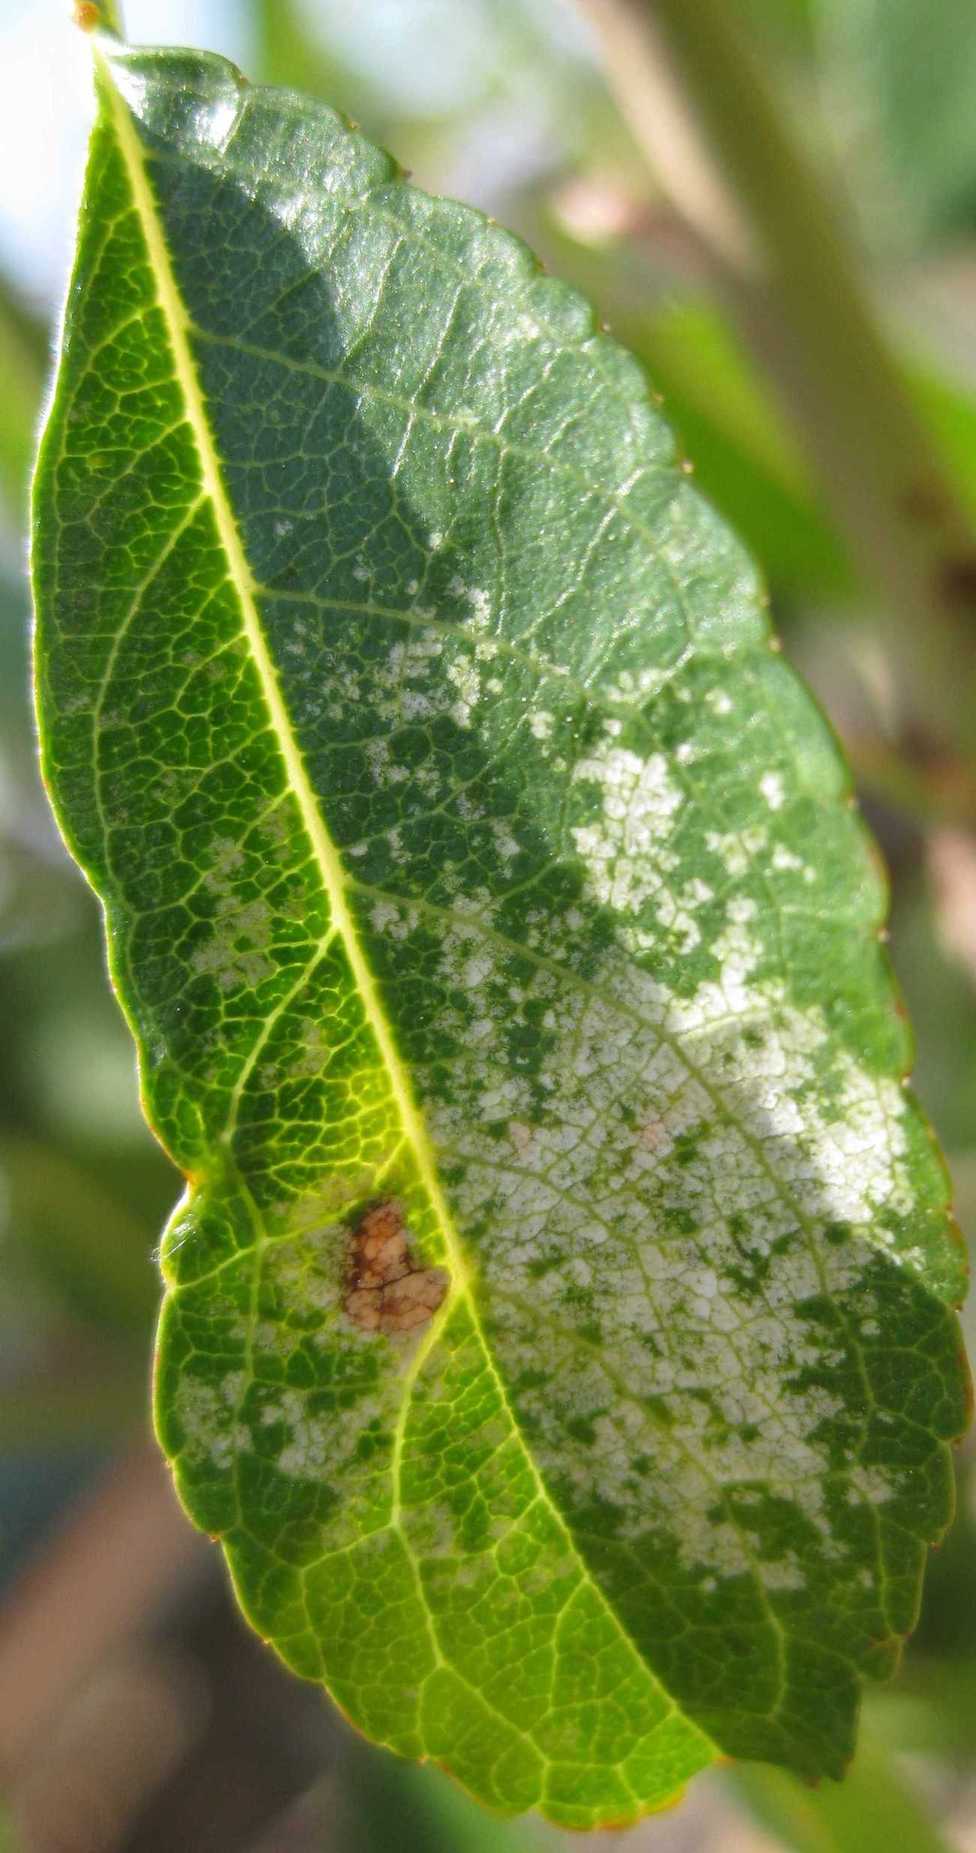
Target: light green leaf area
{"type": "Point", "coordinates": [903, 78]}
{"type": "Point", "coordinates": [556, 1330]}
{"type": "Point", "coordinates": [874, 1810]}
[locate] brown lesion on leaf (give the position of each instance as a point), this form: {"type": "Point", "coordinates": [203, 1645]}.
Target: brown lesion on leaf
{"type": "Point", "coordinates": [87, 15]}
{"type": "Point", "coordinates": [386, 1290]}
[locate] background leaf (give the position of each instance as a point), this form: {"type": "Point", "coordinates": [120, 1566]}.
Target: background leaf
{"type": "Point", "coordinates": [903, 84]}
{"type": "Point", "coordinates": [874, 1808]}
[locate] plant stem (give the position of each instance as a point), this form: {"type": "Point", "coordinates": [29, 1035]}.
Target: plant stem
{"type": "Point", "coordinates": [696, 97]}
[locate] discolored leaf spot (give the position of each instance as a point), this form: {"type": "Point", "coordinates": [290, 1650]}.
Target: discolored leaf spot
{"type": "Point", "coordinates": [386, 1289]}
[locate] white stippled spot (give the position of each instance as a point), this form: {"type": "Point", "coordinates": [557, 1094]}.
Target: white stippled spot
{"type": "Point", "coordinates": [737, 848]}
{"type": "Point", "coordinates": [623, 851]}
{"type": "Point", "coordinates": [465, 678]}
{"type": "Point", "coordinates": [769, 1156]}
{"type": "Point", "coordinates": [238, 949]}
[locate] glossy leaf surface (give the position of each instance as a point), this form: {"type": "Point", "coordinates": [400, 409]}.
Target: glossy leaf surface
{"type": "Point", "coordinates": [556, 1329]}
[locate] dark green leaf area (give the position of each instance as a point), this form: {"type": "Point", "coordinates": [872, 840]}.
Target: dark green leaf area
{"type": "Point", "coordinates": [471, 861]}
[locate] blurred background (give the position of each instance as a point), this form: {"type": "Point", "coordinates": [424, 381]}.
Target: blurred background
{"type": "Point", "coordinates": [831, 413]}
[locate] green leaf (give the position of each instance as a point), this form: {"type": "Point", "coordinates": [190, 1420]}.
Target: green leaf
{"type": "Point", "coordinates": [23, 351]}
{"type": "Point", "coordinates": [502, 951]}
{"type": "Point", "coordinates": [87, 1247]}
{"type": "Point", "coordinates": [743, 458]}
{"type": "Point", "coordinates": [874, 1810]}
{"type": "Point", "coordinates": [376, 1801]}
{"type": "Point", "coordinates": [903, 79]}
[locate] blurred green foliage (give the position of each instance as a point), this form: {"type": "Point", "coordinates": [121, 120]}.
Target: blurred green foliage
{"type": "Point", "coordinates": [882, 93]}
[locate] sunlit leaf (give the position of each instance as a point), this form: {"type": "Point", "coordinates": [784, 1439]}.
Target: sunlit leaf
{"type": "Point", "coordinates": [556, 1330]}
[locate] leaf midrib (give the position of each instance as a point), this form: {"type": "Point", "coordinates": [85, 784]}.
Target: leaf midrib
{"type": "Point", "coordinates": [241, 579]}
{"type": "Point", "coordinates": [243, 584]}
